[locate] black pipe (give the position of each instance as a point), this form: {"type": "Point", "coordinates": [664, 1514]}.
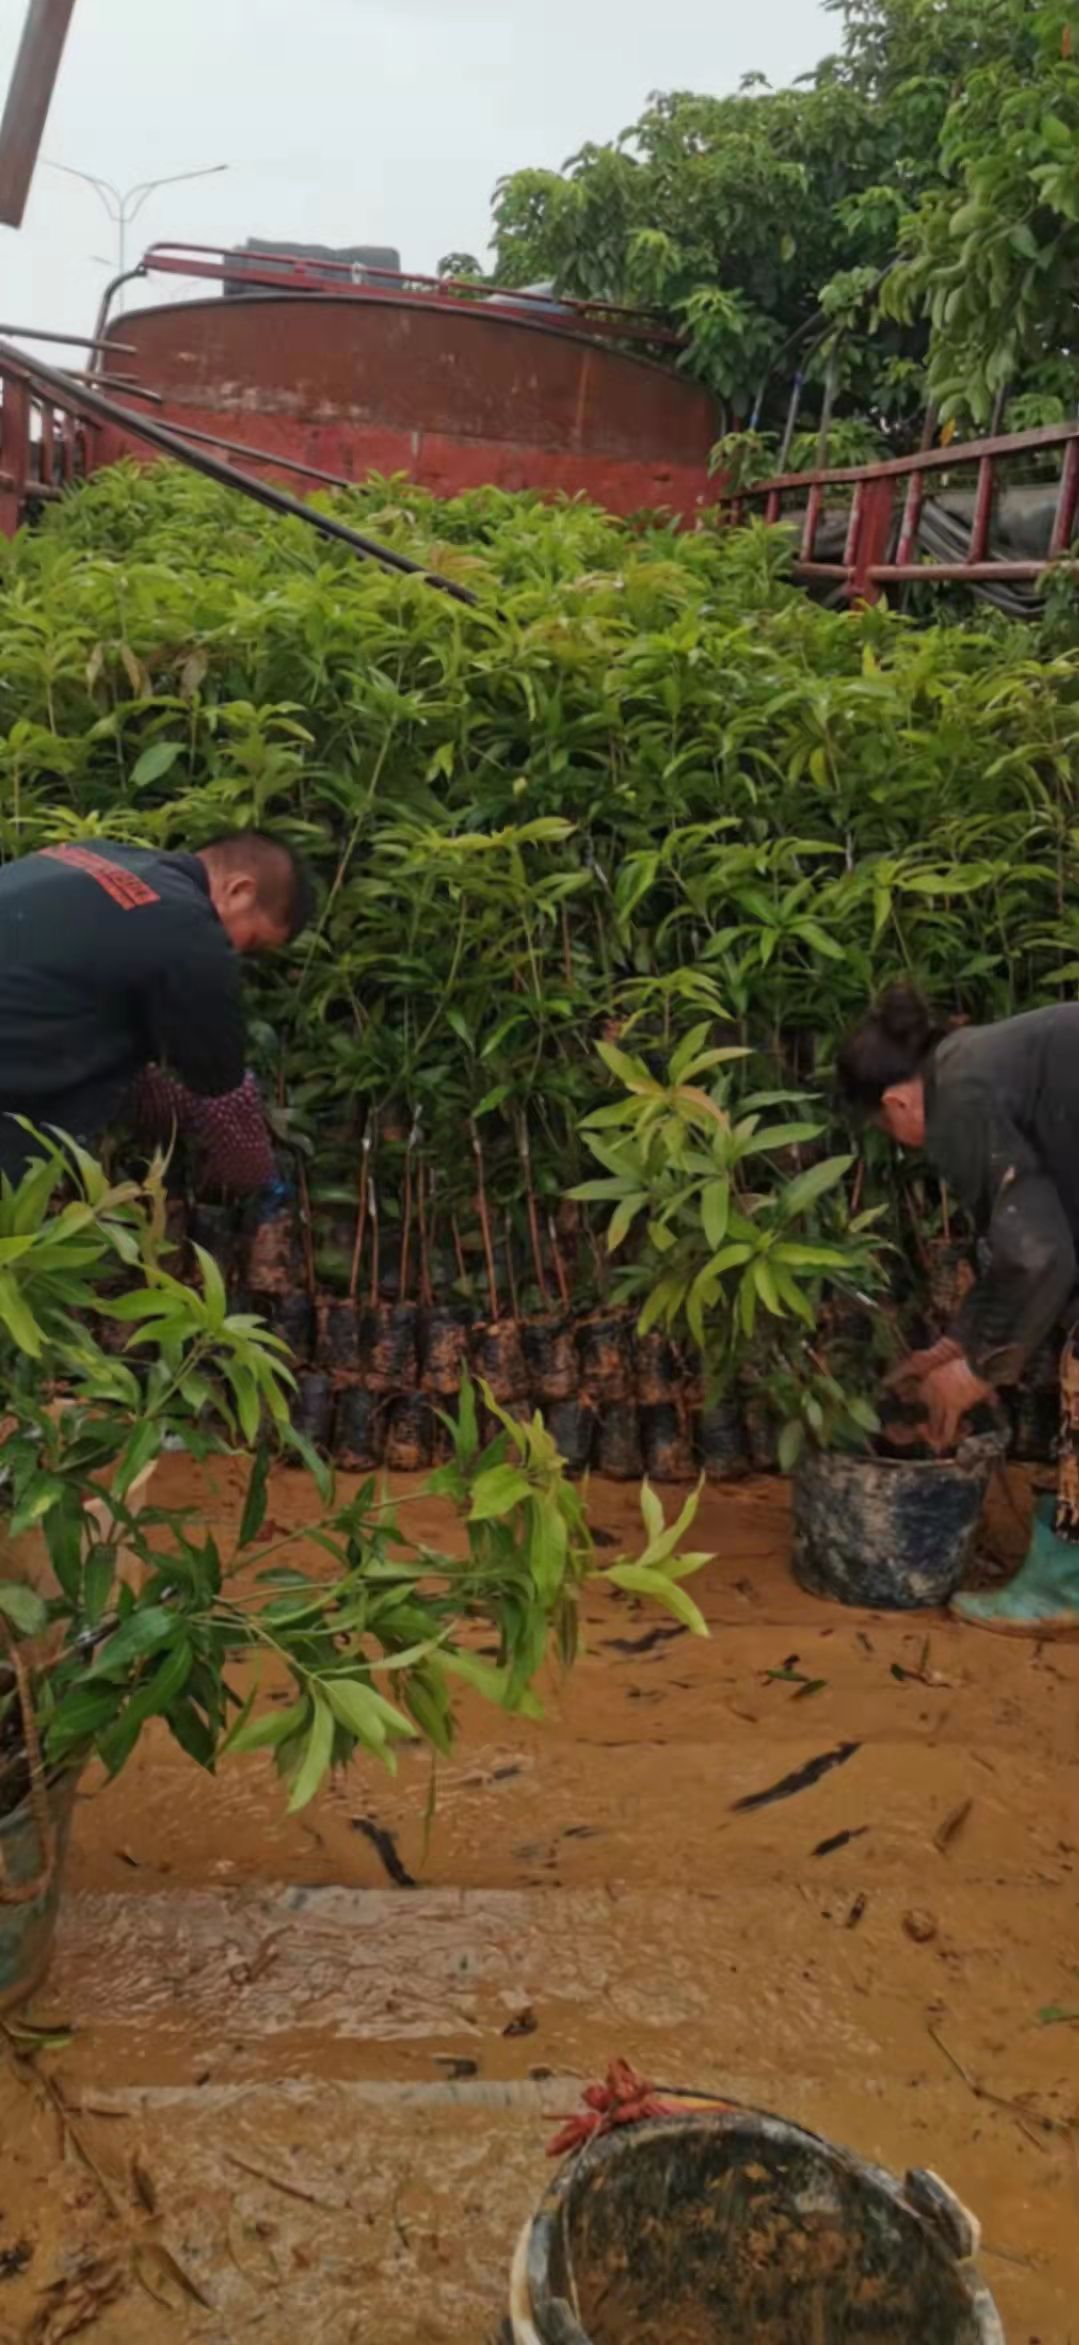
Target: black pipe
{"type": "Point", "coordinates": [158, 435]}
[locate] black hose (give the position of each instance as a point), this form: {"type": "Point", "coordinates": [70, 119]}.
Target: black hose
{"type": "Point", "coordinates": [158, 435]}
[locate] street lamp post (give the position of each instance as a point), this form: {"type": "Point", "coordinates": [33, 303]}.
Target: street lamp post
{"type": "Point", "coordinates": [125, 207]}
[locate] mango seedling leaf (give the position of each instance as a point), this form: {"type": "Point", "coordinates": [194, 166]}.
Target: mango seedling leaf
{"type": "Point", "coordinates": [365, 1713]}
{"type": "Point", "coordinates": [98, 1576]}
{"type": "Point", "coordinates": [790, 1446]}
{"type": "Point", "coordinates": [808, 1187]}
{"type": "Point", "coordinates": [265, 1732]}
{"type": "Point", "coordinates": [143, 1447]}
{"type": "Point", "coordinates": [145, 1631]}
{"type": "Point", "coordinates": [715, 1210]}
{"type": "Point", "coordinates": [254, 1512]}
{"type": "Point", "coordinates": [314, 1766]}
{"type": "Point", "coordinates": [497, 1492]}
{"type": "Point", "coordinates": [638, 1580]}
{"type": "Point", "coordinates": [38, 1497]}
{"type": "Point", "coordinates": [155, 763]}
{"type": "Point", "coordinates": [18, 1317]}
{"type": "Point", "coordinates": [23, 1606]}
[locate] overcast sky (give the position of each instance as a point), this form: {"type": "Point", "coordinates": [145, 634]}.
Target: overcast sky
{"type": "Point", "coordinates": [349, 121]}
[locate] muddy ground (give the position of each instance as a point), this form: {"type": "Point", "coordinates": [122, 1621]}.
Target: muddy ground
{"type": "Point", "coordinates": [319, 2066]}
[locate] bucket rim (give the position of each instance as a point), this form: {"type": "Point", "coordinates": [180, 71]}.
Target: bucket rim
{"type": "Point", "coordinates": [547, 2223]}
{"type": "Point", "coordinates": [977, 1455]}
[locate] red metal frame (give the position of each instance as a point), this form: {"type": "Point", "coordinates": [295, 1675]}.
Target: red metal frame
{"type": "Point", "coordinates": [865, 569]}
{"type": "Point", "coordinates": [45, 444]}
{"type": "Point", "coordinates": [340, 280]}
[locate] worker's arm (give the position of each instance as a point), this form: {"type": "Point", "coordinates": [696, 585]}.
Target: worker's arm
{"type": "Point", "coordinates": [193, 1009]}
{"type": "Point", "coordinates": [1031, 1268]}
{"type": "Point", "coordinates": [1023, 1291]}
{"type": "Point", "coordinates": [229, 1135]}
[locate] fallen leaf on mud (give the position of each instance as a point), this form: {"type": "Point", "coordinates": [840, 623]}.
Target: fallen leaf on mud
{"type": "Point", "coordinates": [277, 2181]}
{"type": "Point", "coordinates": [952, 1826]}
{"type": "Point", "coordinates": [144, 2186]}
{"type": "Point", "coordinates": [74, 2303]}
{"type": "Point", "coordinates": [1056, 2015]}
{"type": "Point", "coordinates": [28, 2039]}
{"type": "Point", "coordinates": [163, 2278]}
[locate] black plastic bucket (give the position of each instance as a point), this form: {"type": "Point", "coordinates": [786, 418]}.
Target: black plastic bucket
{"type": "Point", "coordinates": [739, 2229]}
{"type": "Point", "coordinates": [889, 1534]}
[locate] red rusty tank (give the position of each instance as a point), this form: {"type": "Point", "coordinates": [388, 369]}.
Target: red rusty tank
{"type": "Point", "coordinates": [365, 373]}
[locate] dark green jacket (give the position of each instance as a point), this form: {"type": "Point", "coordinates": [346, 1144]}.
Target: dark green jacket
{"type": "Point", "coordinates": [1002, 1127]}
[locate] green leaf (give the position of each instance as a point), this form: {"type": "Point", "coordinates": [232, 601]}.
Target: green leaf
{"type": "Point", "coordinates": [265, 1732]}
{"type": "Point", "coordinates": [155, 763]}
{"type": "Point", "coordinates": [39, 1495]}
{"type": "Point", "coordinates": [715, 1207]}
{"type": "Point", "coordinates": [213, 1287]}
{"type": "Point", "coordinates": [315, 1764]}
{"type": "Point", "coordinates": [548, 1546]}
{"type": "Point", "coordinates": [98, 1577]}
{"type": "Point", "coordinates": [790, 1446]}
{"type": "Point", "coordinates": [639, 1580]}
{"type": "Point", "coordinates": [364, 1713]}
{"type": "Point", "coordinates": [623, 1218]}
{"type": "Point", "coordinates": [79, 1715]}
{"type": "Point", "coordinates": [23, 1606]}
{"type": "Point", "coordinates": [254, 1513]}
{"type": "Point", "coordinates": [784, 1136]}
{"type": "Point", "coordinates": [65, 1530]}
{"type": "Point", "coordinates": [766, 1287]}
{"type": "Point", "coordinates": [145, 1631]}
{"type": "Point", "coordinates": [497, 1491]}
{"type": "Point", "coordinates": [18, 1318]}
{"type": "Point", "coordinates": [808, 1187]}
{"type": "Point", "coordinates": [321, 1473]}
{"type": "Point", "coordinates": [144, 1445]}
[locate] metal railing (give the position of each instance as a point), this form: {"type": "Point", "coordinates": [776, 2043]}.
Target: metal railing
{"type": "Point", "coordinates": [885, 514]}
{"type": "Point", "coordinates": [274, 272]}
{"type": "Point", "coordinates": [46, 443]}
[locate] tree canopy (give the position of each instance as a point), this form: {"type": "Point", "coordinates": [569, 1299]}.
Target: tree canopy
{"type": "Point", "coordinates": [901, 226]}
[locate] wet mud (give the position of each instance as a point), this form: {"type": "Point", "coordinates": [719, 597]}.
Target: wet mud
{"type": "Point", "coordinates": [298, 2094]}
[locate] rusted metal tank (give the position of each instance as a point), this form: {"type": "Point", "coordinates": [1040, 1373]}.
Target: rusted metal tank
{"type": "Point", "coordinates": [454, 393]}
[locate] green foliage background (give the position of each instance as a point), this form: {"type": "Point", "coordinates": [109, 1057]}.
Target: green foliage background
{"type": "Point", "coordinates": [646, 780]}
{"type": "Point", "coordinates": [907, 218]}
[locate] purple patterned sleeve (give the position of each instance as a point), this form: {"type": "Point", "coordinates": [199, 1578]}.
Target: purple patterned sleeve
{"type": "Point", "coordinates": [229, 1136]}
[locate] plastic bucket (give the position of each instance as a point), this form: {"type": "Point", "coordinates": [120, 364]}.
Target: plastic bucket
{"type": "Point", "coordinates": [739, 2229]}
{"type": "Point", "coordinates": [889, 1534]}
{"type": "Point", "coordinates": [26, 1931]}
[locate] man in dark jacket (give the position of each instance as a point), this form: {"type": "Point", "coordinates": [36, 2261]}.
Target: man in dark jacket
{"type": "Point", "coordinates": [114, 958]}
{"type": "Point", "coordinates": [996, 1109]}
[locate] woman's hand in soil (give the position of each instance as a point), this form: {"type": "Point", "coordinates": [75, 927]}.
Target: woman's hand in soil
{"type": "Point", "coordinates": [948, 1395]}
{"type": "Point", "coordinates": [908, 1381]}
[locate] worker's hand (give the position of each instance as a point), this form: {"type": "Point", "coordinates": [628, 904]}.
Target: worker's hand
{"type": "Point", "coordinates": [908, 1379]}
{"type": "Point", "coordinates": [948, 1394]}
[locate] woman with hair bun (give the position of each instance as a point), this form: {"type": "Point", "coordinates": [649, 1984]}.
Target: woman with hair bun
{"type": "Point", "coordinates": [996, 1109]}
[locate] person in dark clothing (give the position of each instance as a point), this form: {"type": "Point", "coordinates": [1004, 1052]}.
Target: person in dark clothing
{"type": "Point", "coordinates": [116, 958]}
{"type": "Point", "coordinates": [996, 1109]}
